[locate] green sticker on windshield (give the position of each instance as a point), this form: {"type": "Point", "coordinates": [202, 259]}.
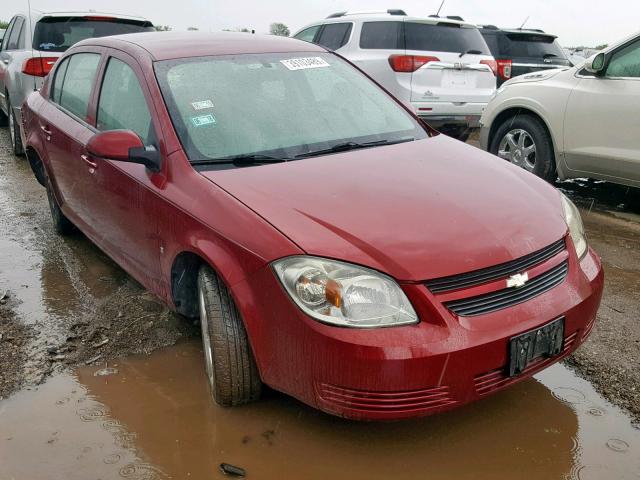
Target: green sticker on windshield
{"type": "Point", "coordinates": [202, 120]}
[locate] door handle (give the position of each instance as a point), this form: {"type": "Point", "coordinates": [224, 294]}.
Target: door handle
{"type": "Point", "coordinates": [46, 131]}
{"type": "Point", "coordinates": [5, 61]}
{"type": "Point", "coordinates": [85, 159]}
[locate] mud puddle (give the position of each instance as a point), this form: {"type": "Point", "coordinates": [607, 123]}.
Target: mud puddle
{"type": "Point", "coordinates": [151, 418]}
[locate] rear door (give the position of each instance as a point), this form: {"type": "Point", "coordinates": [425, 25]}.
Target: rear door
{"type": "Point", "coordinates": [455, 71]}
{"type": "Point", "coordinates": [601, 122]}
{"type": "Point", "coordinates": [65, 127]}
{"type": "Point", "coordinates": [4, 64]}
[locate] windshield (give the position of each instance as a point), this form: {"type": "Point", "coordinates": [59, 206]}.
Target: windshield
{"type": "Point", "coordinates": [57, 34]}
{"type": "Point", "coordinates": [282, 105]}
{"type": "Point", "coordinates": [444, 37]}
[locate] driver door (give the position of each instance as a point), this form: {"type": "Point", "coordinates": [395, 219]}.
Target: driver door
{"type": "Point", "coordinates": [601, 121]}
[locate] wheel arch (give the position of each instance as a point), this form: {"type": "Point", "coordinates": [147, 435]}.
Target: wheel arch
{"type": "Point", "coordinates": [515, 111]}
{"type": "Point", "coordinates": [36, 164]}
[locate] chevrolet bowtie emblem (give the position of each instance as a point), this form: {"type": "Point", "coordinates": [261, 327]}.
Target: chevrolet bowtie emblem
{"type": "Point", "coordinates": [518, 280]}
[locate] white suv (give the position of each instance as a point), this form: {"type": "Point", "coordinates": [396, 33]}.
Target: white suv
{"type": "Point", "coordinates": [442, 67]}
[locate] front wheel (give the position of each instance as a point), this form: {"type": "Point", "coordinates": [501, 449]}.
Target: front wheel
{"type": "Point", "coordinates": [229, 363]}
{"type": "Point", "coordinates": [523, 140]}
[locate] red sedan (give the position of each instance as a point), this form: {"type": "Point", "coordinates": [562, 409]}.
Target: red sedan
{"type": "Point", "coordinates": [333, 246]}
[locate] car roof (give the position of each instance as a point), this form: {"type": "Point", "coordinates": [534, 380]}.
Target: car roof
{"type": "Point", "coordinates": [36, 15]}
{"type": "Point", "coordinates": [171, 45]}
{"type": "Point", "coordinates": [343, 17]}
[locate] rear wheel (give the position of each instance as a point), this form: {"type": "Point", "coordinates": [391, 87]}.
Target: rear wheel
{"type": "Point", "coordinates": [61, 223]}
{"type": "Point", "coordinates": [523, 140]}
{"type": "Point", "coordinates": [14, 131]}
{"type": "Point", "coordinates": [229, 363]}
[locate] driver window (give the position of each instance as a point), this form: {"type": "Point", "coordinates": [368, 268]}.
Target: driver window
{"type": "Point", "coordinates": [122, 104]}
{"type": "Point", "coordinates": [625, 62]}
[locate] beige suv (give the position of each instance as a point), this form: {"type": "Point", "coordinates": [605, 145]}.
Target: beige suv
{"type": "Point", "coordinates": [575, 122]}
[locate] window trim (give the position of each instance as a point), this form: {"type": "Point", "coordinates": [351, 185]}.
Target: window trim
{"type": "Point", "coordinates": [611, 54]}
{"type": "Point", "coordinates": [7, 34]}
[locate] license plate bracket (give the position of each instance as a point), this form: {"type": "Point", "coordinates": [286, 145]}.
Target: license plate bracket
{"type": "Point", "coordinates": [546, 341]}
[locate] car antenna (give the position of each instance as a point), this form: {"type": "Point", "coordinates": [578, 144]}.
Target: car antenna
{"type": "Point", "coordinates": [31, 41]}
{"type": "Point", "coordinates": [440, 8]}
{"type": "Point", "coordinates": [525, 21]}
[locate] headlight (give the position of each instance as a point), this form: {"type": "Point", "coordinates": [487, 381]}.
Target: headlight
{"type": "Point", "coordinates": [342, 294]}
{"type": "Point", "coordinates": [576, 228]}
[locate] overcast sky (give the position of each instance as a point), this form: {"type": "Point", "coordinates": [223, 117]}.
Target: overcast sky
{"type": "Point", "coordinates": [576, 22]}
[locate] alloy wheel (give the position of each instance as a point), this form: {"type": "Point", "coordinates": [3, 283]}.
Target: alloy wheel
{"type": "Point", "coordinates": [518, 147]}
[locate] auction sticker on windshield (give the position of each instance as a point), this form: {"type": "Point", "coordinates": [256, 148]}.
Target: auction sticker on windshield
{"type": "Point", "coordinates": [304, 63]}
{"type": "Point", "coordinates": [202, 120]}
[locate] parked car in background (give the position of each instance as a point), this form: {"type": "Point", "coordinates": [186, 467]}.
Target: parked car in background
{"type": "Point", "coordinates": [523, 51]}
{"type": "Point", "coordinates": [332, 245]}
{"type": "Point", "coordinates": [31, 46]}
{"type": "Point", "coordinates": [442, 67]}
{"type": "Point", "coordinates": [567, 123]}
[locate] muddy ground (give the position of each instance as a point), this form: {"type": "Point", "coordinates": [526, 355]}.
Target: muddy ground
{"type": "Point", "coordinates": [65, 304]}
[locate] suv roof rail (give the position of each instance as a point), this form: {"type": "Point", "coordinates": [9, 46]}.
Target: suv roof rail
{"type": "Point", "coordinates": [455, 17]}
{"type": "Point", "coordinates": [532, 30]}
{"type": "Point", "coordinates": [489, 27]}
{"type": "Point", "coordinates": [391, 11]}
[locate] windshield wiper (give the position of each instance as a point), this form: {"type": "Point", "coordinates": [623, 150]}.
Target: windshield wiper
{"type": "Point", "coordinates": [472, 51]}
{"type": "Point", "coordinates": [547, 55]}
{"type": "Point", "coordinates": [240, 160]}
{"type": "Point", "coordinates": [346, 146]}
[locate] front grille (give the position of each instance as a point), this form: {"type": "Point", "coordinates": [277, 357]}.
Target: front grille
{"type": "Point", "coordinates": [491, 302]}
{"type": "Point", "coordinates": [477, 277]}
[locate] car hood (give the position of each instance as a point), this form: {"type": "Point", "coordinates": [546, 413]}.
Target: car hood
{"type": "Point", "coordinates": [417, 210]}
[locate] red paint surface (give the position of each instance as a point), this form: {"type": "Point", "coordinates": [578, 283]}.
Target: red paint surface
{"type": "Point", "coordinates": [415, 211]}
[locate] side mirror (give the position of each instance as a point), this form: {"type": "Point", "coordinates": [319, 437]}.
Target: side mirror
{"type": "Point", "coordinates": [596, 64]}
{"type": "Point", "coordinates": [123, 146]}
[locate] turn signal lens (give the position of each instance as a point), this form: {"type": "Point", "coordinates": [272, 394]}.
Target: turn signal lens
{"type": "Point", "coordinates": [409, 63]}
{"type": "Point", "coordinates": [38, 66]}
{"type": "Point", "coordinates": [342, 294]}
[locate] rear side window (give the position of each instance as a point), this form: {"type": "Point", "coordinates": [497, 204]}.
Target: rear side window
{"type": "Point", "coordinates": [122, 104]}
{"type": "Point", "coordinates": [335, 35]}
{"type": "Point", "coordinates": [382, 35]}
{"type": "Point", "coordinates": [58, 80]}
{"type": "Point", "coordinates": [57, 34]}
{"type": "Point", "coordinates": [525, 45]}
{"type": "Point", "coordinates": [79, 77]}
{"type": "Point", "coordinates": [444, 37]}
{"type": "Point", "coordinates": [7, 34]}
{"type": "Point", "coordinates": [16, 39]}
{"type": "Point", "coordinates": [308, 34]}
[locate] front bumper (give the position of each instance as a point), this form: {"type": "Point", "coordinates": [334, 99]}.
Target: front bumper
{"type": "Point", "coordinates": [441, 363]}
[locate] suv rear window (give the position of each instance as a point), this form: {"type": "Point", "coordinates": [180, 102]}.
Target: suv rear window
{"type": "Point", "coordinates": [444, 37]}
{"type": "Point", "coordinates": [529, 45]}
{"type": "Point", "coordinates": [57, 34]}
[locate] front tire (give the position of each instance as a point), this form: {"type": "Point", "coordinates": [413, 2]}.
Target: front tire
{"type": "Point", "coordinates": [229, 363]}
{"type": "Point", "coordinates": [523, 140]}
{"type": "Point", "coordinates": [14, 131]}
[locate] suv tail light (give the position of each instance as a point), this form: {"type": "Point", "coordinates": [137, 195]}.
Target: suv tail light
{"type": "Point", "coordinates": [504, 69]}
{"type": "Point", "coordinates": [38, 66]}
{"type": "Point", "coordinates": [493, 65]}
{"type": "Point", "coordinates": [409, 63]}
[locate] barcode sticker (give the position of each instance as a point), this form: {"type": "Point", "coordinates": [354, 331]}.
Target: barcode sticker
{"type": "Point", "coordinates": [304, 63]}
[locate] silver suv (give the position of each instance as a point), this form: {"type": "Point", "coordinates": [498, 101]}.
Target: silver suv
{"type": "Point", "coordinates": [31, 46]}
{"type": "Point", "coordinates": [441, 66]}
